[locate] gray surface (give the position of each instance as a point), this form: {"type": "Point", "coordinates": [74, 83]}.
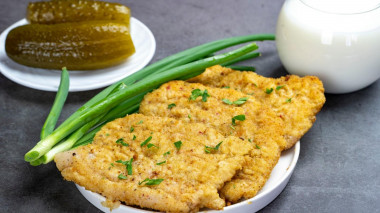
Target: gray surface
{"type": "Point", "coordinates": [338, 168]}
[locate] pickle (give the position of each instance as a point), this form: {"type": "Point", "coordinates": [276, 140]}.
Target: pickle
{"type": "Point", "coordinates": [61, 11]}
{"type": "Point", "coordinates": [77, 46]}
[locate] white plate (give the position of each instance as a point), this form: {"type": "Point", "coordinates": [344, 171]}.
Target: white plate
{"type": "Point", "coordinates": [48, 80]}
{"type": "Point", "coordinates": [273, 187]}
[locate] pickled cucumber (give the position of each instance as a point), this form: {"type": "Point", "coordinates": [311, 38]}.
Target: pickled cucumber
{"type": "Point", "coordinates": [77, 46]}
{"type": "Point", "coordinates": [61, 11]}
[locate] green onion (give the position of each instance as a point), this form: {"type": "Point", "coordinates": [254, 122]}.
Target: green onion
{"type": "Point", "coordinates": [146, 141]}
{"type": "Point", "coordinates": [160, 163]}
{"type": "Point", "coordinates": [121, 141]}
{"type": "Point", "coordinates": [239, 118]}
{"type": "Point", "coordinates": [150, 145]}
{"type": "Point", "coordinates": [56, 109]}
{"type": "Point", "coordinates": [242, 68]}
{"type": "Point", "coordinates": [151, 182]}
{"type": "Point", "coordinates": [128, 164]}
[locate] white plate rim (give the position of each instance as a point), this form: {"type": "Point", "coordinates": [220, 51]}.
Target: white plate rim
{"type": "Point", "coordinates": [254, 204]}
{"type": "Point", "coordinates": [83, 75]}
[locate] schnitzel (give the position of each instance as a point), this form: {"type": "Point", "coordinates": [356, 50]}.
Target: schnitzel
{"type": "Point", "coordinates": [231, 113]}
{"type": "Point", "coordinates": [157, 163]}
{"type": "Point", "coordinates": [294, 99]}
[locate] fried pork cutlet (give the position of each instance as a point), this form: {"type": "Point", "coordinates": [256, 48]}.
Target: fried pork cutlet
{"type": "Point", "coordinates": [261, 127]}
{"type": "Point", "coordinates": [182, 176]}
{"type": "Point", "coordinates": [294, 99]}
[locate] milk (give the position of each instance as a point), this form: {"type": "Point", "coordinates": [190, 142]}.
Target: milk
{"type": "Point", "coordinates": [338, 41]}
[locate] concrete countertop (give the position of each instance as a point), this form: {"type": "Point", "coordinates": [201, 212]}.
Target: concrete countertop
{"type": "Point", "coordinates": [338, 168]}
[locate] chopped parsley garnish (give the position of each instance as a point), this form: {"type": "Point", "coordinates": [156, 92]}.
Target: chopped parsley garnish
{"type": "Point", "coordinates": [232, 127]}
{"type": "Point", "coordinates": [197, 92]}
{"type": "Point", "coordinates": [239, 118]}
{"type": "Point", "coordinates": [279, 87]}
{"type": "Point", "coordinates": [134, 137]}
{"type": "Point", "coordinates": [107, 134]}
{"type": "Point", "coordinates": [288, 100]}
{"type": "Point", "coordinates": [122, 177]}
{"type": "Point", "coordinates": [178, 144]}
{"type": "Point", "coordinates": [128, 164]}
{"type": "Point", "coordinates": [140, 122]}
{"type": "Point", "coordinates": [269, 91]}
{"type": "Point", "coordinates": [171, 105]}
{"type": "Point", "coordinates": [225, 100]}
{"type": "Point", "coordinates": [205, 95]}
{"type": "Point", "coordinates": [151, 182]}
{"type": "Point", "coordinates": [160, 163]}
{"type": "Point", "coordinates": [249, 140]}
{"type": "Point", "coordinates": [240, 101]}
{"type": "Point", "coordinates": [257, 146]}
{"type": "Point", "coordinates": [112, 164]}
{"type": "Point", "coordinates": [226, 87]}
{"type": "Point", "coordinates": [146, 141]}
{"type": "Point", "coordinates": [189, 116]}
{"type": "Point", "coordinates": [209, 149]}
{"type": "Point", "coordinates": [131, 129]}
{"type": "Point", "coordinates": [121, 141]}
{"type": "Point", "coordinates": [167, 153]}
{"type": "Point", "coordinates": [150, 145]}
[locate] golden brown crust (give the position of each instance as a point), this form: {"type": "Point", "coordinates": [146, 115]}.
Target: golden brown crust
{"type": "Point", "coordinates": [297, 102]}
{"type": "Point", "coordinates": [261, 127]}
{"type": "Point", "coordinates": [192, 177]}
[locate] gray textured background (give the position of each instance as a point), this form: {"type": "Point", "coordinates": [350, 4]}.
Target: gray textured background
{"type": "Point", "coordinates": [338, 169]}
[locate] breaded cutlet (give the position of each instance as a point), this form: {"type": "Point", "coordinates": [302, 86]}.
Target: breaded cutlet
{"type": "Point", "coordinates": [169, 172]}
{"type": "Point", "coordinates": [261, 127]}
{"type": "Point", "coordinates": [296, 100]}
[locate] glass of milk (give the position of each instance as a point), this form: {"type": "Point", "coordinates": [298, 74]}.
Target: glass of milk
{"type": "Point", "coordinates": [336, 40]}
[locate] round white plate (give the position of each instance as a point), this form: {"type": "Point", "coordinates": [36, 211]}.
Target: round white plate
{"type": "Point", "coordinates": [48, 80]}
{"type": "Point", "coordinates": [273, 187]}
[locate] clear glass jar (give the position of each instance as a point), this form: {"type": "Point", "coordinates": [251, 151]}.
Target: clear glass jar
{"type": "Point", "coordinates": [338, 41]}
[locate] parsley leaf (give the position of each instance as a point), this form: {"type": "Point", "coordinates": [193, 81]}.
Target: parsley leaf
{"type": "Point", "coordinates": [240, 101]}
{"type": "Point", "coordinates": [257, 146]}
{"type": "Point", "coordinates": [208, 149]}
{"type": "Point", "coordinates": [122, 177]}
{"type": "Point", "coordinates": [171, 105]}
{"type": "Point", "coordinates": [226, 87]}
{"type": "Point", "coordinates": [279, 87]}
{"type": "Point", "coordinates": [225, 100]}
{"type": "Point", "coordinates": [121, 141]}
{"type": "Point", "coordinates": [269, 91]}
{"type": "Point", "coordinates": [140, 122]}
{"type": "Point", "coordinates": [167, 153]}
{"type": "Point", "coordinates": [197, 92]}
{"type": "Point", "coordinates": [239, 118]}
{"type": "Point", "coordinates": [205, 95]}
{"type": "Point", "coordinates": [288, 100]}
{"type": "Point", "coordinates": [151, 182]}
{"type": "Point", "coordinates": [178, 144]}
{"type": "Point", "coordinates": [146, 141]}
{"type": "Point", "coordinates": [131, 129]}
{"type": "Point", "coordinates": [160, 163]}
{"type": "Point", "coordinates": [134, 137]}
